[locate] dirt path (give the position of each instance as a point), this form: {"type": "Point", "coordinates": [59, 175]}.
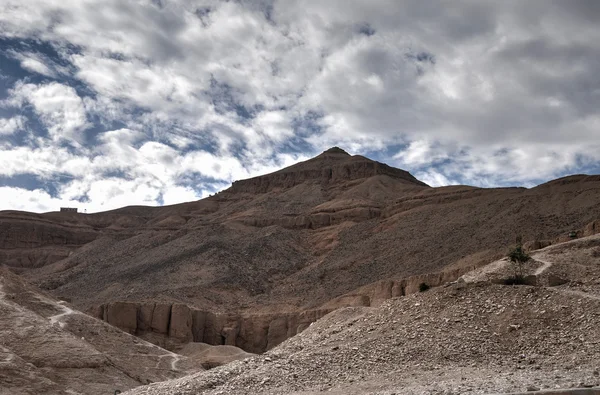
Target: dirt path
{"type": "Point", "coordinates": [546, 265]}
{"type": "Point", "coordinates": [56, 319]}
{"type": "Point", "coordinates": [175, 358]}
{"type": "Point", "coordinates": [481, 274]}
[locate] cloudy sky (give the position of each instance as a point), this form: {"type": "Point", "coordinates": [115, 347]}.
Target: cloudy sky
{"type": "Point", "coordinates": [107, 103]}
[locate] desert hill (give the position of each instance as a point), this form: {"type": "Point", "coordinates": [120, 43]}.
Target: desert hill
{"type": "Point", "coordinates": [472, 336]}
{"type": "Point", "coordinates": [258, 262]}
{"type": "Point", "coordinates": [46, 347]}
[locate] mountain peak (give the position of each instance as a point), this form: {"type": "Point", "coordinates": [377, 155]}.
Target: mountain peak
{"type": "Point", "coordinates": [336, 150]}
{"type": "Point", "coordinates": [333, 167]}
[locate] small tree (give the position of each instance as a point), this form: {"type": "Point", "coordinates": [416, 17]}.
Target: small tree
{"type": "Point", "coordinates": [518, 257]}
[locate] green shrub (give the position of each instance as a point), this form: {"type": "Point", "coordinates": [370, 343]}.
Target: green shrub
{"type": "Point", "coordinates": [518, 257]}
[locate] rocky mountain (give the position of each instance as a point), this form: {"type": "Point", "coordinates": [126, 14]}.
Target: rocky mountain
{"type": "Point", "coordinates": [258, 262]}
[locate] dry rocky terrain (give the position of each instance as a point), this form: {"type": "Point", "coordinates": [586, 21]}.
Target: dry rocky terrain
{"type": "Point", "coordinates": [258, 262]}
{"type": "Point", "coordinates": [472, 336]}
{"type": "Point", "coordinates": [47, 347]}
{"type": "Point", "coordinates": [329, 254]}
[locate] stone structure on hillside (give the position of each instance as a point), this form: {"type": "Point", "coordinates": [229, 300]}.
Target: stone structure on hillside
{"type": "Point", "coordinates": [68, 209]}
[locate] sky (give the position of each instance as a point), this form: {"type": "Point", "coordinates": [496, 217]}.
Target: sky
{"type": "Point", "coordinates": [109, 103]}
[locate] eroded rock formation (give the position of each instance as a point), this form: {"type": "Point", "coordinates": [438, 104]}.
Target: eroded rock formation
{"type": "Point", "coordinates": [174, 325]}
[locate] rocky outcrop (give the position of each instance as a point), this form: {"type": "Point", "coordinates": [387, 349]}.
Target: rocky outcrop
{"type": "Point", "coordinates": [376, 293]}
{"type": "Point", "coordinates": [314, 220]}
{"type": "Point", "coordinates": [174, 325]}
{"type": "Point", "coordinates": [534, 245]}
{"type": "Point", "coordinates": [29, 243]}
{"type": "Point", "coordinates": [122, 315]}
{"type": "Point", "coordinates": [26, 258]}
{"type": "Point", "coordinates": [29, 240]}
{"type": "Point", "coordinates": [592, 228]}
{"type": "Point", "coordinates": [331, 167]}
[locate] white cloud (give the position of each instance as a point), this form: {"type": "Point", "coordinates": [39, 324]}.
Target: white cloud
{"type": "Point", "coordinates": [34, 62]}
{"type": "Point", "coordinates": [36, 200]}
{"type": "Point", "coordinates": [434, 178]}
{"type": "Point", "coordinates": [422, 152]}
{"type": "Point", "coordinates": [12, 125]}
{"type": "Point", "coordinates": [180, 194]}
{"type": "Point", "coordinates": [58, 107]}
{"type": "Point", "coordinates": [482, 93]}
{"type": "Point", "coordinates": [273, 124]}
{"type": "Point", "coordinates": [124, 169]}
{"type": "Point", "coordinates": [43, 162]}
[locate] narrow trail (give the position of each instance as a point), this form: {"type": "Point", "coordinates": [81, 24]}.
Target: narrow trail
{"type": "Point", "coordinates": [174, 361]}
{"type": "Point", "coordinates": [546, 265]}
{"type": "Point", "coordinates": [175, 358]}
{"type": "Point", "coordinates": [482, 272]}
{"type": "Point", "coordinates": [498, 265]}
{"type": "Point", "coordinates": [56, 319]}
{"type": "Point", "coordinates": [66, 311]}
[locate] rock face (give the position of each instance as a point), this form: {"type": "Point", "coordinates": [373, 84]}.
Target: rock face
{"type": "Point", "coordinates": [592, 228]}
{"type": "Point", "coordinates": [29, 241]}
{"type": "Point", "coordinates": [173, 326]}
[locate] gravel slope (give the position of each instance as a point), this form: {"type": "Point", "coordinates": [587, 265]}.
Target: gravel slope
{"type": "Point", "coordinates": [477, 338]}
